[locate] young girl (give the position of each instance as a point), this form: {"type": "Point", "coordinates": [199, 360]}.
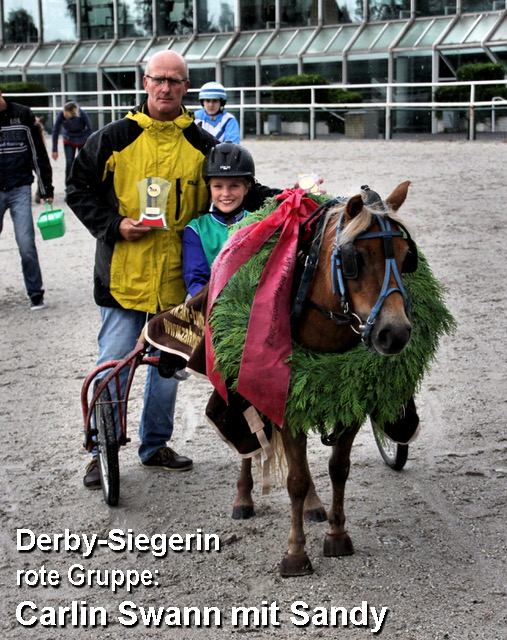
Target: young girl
{"type": "Point", "coordinates": [229, 172]}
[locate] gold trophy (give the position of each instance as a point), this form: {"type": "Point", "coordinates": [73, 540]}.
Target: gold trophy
{"type": "Point", "coordinates": [309, 182]}
{"type": "Point", "coordinates": [153, 194]}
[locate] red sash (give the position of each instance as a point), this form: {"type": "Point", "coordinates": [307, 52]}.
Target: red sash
{"type": "Point", "coordinates": [264, 372]}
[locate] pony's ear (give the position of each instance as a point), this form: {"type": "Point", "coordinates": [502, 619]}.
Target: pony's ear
{"type": "Point", "coordinates": [354, 206]}
{"type": "Point", "coordinates": [397, 197]}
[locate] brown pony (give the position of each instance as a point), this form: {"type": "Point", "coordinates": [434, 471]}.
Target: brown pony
{"type": "Point", "coordinates": [366, 301]}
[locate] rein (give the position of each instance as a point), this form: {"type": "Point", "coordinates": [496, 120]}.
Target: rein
{"type": "Point", "coordinates": [310, 264]}
{"type": "Point", "coordinates": [338, 274]}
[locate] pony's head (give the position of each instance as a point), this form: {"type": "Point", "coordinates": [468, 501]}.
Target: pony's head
{"type": "Point", "coordinates": [365, 250]}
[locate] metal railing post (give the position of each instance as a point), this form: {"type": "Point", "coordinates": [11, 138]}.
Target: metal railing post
{"type": "Point", "coordinates": [389, 100]}
{"type": "Point", "coordinates": [471, 125]}
{"type": "Point", "coordinates": [312, 114]}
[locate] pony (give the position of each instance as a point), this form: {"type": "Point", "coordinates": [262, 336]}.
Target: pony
{"type": "Point", "coordinates": [354, 293]}
{"type": "Point", "coordinates": [334, 304]}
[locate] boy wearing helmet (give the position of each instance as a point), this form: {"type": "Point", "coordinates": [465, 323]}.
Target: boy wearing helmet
{"type": "Point", "coordinates": [213, 117]}
{"type": "Point", "coordinates": [229, 171]}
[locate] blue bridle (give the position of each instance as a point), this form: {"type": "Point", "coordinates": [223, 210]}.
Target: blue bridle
{"type": "Point", "coordinates": [338, 279]}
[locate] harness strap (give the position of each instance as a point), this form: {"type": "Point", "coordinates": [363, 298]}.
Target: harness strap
{"type": "Point", "coordinates": [341, 319]}
{"type": "Point", "coordinates": [311, 262]}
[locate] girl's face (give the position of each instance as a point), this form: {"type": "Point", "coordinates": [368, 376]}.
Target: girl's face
{"type": "Point", "coordinates": [211, 106]}
{"type": "Point", "coordinates": [227, 193]}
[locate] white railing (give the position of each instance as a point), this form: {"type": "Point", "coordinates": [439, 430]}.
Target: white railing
{"type": "Point", "coordinates": [114, 104]}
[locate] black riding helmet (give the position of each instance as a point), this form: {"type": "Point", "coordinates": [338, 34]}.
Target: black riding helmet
{"type": "Point", "coordinates": [228, 160]}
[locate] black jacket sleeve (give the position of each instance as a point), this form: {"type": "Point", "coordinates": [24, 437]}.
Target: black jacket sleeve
{"type": "Point", "coordinates": [90, 195]}
{"type": "Point", "coordinates": [42, 165]}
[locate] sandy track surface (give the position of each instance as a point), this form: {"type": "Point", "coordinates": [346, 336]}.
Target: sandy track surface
{"type": "Point", "coordinates": [430, 541]}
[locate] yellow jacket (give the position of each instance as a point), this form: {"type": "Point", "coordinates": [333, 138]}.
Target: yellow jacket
{"type": "Point", "coordinates": [146, 274]}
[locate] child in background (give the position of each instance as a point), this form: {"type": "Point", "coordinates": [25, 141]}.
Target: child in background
{"type": "Point", "coordinates": [229, 172]}
{"type": "Point", "coordinates": [213, 117]}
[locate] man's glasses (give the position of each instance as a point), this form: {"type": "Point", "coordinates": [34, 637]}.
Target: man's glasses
{"type": "Point", "coordinates": [160, 80]}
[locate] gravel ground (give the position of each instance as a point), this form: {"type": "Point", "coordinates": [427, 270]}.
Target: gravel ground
{"type": "Point", "coordinates": [430, 541]}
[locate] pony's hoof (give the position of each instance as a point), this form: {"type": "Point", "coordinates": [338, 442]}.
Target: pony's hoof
{"type": "Point", "coordinates": [295, 565]}
{"type": "Point", "coordinates": [243, 512]}
{"type": "Point", "coordinates": [316, 515]}
{"type": "Point", "coordinates": [339, 545]}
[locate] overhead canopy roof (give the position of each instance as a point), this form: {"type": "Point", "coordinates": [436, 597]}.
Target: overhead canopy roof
{"type": "Point", "coordinates": [446, 32]}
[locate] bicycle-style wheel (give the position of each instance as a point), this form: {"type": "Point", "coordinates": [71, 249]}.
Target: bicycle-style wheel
{"type": "Point", "coordinates": [107, 448]}
{"type": "Point", "coordinates": [394, 455]}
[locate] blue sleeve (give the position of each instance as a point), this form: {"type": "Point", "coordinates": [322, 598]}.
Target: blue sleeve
{"type": "Point", "coordinates": [56, 130]}
{"type": "Point", "coordinates": [196, 271]}
{"type": "Point", "coordinates": [87, 122]}
{"type": "Point", "coordinates": [231, 133]}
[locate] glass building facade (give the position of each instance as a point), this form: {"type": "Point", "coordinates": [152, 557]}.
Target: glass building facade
{"type": "Point", "coordinates": [75, 46]}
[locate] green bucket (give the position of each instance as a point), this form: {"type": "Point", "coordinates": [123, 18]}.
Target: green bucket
{"type": "Point", "coordinates": [51, 223]}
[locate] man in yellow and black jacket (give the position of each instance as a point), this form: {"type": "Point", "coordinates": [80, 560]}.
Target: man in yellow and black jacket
{"type": "Point", "coordinates": [148, 163]}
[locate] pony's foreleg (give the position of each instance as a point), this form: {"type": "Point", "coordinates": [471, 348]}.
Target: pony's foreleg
{"type": "Point", "coordinates": [337, 541]}
{"type": "Point", "coordinates": [243, 506]}
{"type": "Point", "coordinates": [296, 561]}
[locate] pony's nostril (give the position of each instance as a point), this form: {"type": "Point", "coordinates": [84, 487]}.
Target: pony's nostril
{"type": "Point", "coordinates": [393, 339]}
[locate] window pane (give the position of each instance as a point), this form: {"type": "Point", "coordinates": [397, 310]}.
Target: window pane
{"type": "Point", "coordinates": [345, 11]}
{"type": "Point", "coordinates": [459, 30]}
{"type": "Point", "coordinates": [471, 6]}
{"type": "Point", "coordinates": [501, 33]}
{"type": "Point", "coordinates": [97, 20]}
{"type": "Point", "coordinates": [388, 9]}
{"type": "Point", "coordinates": [138, 47]}
{"type": "Point", "coordinates": [320, 43]}
{"type": "Point", "coordinates": [369, 34]}
{"type": "Point", "coordinates": [21, 21]}
{"type": "Point", "coordinates": [215, 15]}
{"type": "Point", "coordinates": [342, 39]}
{"type": "Point", "coordinates": [81, 54]}
{"type": "Point", "coordinates": [436, 7]}
{"type": "Point", "coordinates": [389, 35]}
{"type": "Point", "coordinates": [278, 43]}
{"type": "Point", "coordinates": [117, 52]}
{"type": "Point", "coordinates": [257, 14]}
{"type": "Point", "coordinates": [434, 32]}
{"type": "Point", "coordinates": [256, 45]}
{"type": "Point", "coordinates": [414, 33]}
{"type": "Point", "coordinates": [217, 46]}
{"type": "Point", "coordinates": [134, 18]}
{"type": "Point", "coordinates": [63, 28]}
{"type": "Point", "coordinates": [482, 29]}
{"type": "Point", "coordinates": [298, 13]}
{"type": "Point", "coordinates": [61, 54]}
{"type": "Point", "coordinates": [298, 42]}
{"type": "Point", "coordinates": [175, 17]}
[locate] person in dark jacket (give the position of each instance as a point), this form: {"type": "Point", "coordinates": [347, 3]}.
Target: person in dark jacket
{"type": "Point", "coordinates": [76, 129]}
{"type": "Point", "coordinates": [23, 154]}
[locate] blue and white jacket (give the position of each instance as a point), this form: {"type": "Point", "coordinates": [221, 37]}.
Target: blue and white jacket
{"type": "Point", "coordinates": [222, 125]}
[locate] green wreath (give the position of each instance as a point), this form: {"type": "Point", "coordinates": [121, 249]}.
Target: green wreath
{"type": "Point", "coordinates": [327, 388]}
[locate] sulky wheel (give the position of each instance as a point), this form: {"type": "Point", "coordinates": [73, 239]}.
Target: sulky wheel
{"type": "Point", "coordinates": [394, 455]}
{"type": "Point", "coordinates": [107, 448]}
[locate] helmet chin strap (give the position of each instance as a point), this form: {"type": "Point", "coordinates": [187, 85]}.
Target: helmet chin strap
{"type": "Point", "coordinates": [230, 214]}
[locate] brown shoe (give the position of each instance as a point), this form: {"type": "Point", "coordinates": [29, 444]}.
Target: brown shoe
{"type": "Point", "coordinates": [91, 479]}
{"type": "Point", "coordinates": [169, 460]}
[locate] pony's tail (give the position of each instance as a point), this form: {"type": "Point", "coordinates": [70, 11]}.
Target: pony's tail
{"type": "Point", "coordinates": [272, 471]}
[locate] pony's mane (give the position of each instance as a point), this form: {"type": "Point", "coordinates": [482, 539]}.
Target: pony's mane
{"type": "Point", "coordinates": [358, 224]}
